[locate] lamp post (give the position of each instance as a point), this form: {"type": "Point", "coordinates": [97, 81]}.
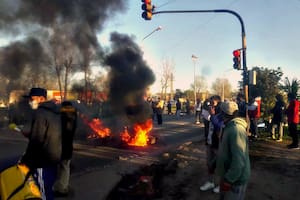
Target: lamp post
{"type": "Point", "coordinates": [157, 29]}
{"type": "Point", "coordinates": [194, 58]}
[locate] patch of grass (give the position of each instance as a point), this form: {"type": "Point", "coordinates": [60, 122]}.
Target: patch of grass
{"type": "Point", "coordinates": [266, 134]}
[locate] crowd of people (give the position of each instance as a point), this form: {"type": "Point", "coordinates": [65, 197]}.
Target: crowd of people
{"type": "Point", "coordinates": [227, 133]}
{"type": "Point", "coordinates": [229, 126]}
{"type": "Point", "coordinates": [227, 153]}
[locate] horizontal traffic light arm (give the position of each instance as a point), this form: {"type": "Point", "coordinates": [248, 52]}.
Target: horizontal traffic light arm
{"type": "Point", "coordinates": [206, 11]}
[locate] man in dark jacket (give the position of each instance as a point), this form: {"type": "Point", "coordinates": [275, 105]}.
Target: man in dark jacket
{"type": "Point", "coordinates": [68, 123]}
{"type": "Point", "coordinates": [278, 117]}
{"type": "Point", "coordinates": [44, 147]}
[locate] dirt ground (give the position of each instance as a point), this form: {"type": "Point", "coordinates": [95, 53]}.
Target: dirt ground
{"type": "Point", "coordinates": [275, 172]}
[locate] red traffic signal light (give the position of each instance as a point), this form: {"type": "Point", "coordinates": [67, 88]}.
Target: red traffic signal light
{"type": "Point", "coordinates": [236, 53]}
{"type": "Point", "coordinates": [147, 8]}
{"type": "Point", "coordinates": [236, 59]}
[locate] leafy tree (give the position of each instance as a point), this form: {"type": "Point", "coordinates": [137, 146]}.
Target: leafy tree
{"type": "Point", "coordinates": [267, 86]}
{"type": "Point", "coordinates": [178, 94]}
{"type": "Point", "coordinates": [189, 94]}
{"type": "Point", "coordinates": [291, 86]}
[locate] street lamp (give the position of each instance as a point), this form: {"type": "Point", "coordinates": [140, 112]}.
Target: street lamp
{"type": "Point", "coordinates": [194, 58]}
{"type": "Point", "coordinates": [157, 29]}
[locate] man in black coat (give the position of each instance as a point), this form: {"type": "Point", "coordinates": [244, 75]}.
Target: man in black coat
{"type": "Point", "coordinates": [44, 148]}
{"type": "Point", "coordinates": [278, 117]}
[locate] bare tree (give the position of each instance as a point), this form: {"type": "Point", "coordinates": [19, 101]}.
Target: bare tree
{"type": "Point", "coordinates": [167, 77]}
{"type": "Point", "coordinates": [85, 67]}
{"type": "Point", "coordinates": [222, 87]}
{"type": "Point", "coordinates": [63, 51]}
{"type": "Point", "coordinates": [201, 85]}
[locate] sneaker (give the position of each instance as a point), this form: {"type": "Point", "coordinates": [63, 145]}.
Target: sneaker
{"type": "Point", "coordinates": [207, 186]}
{"type": "Point", "coordinates": [273, 137]}
{"type": "Point", "coordinates": [279, 140]}
{"type": "Point", "coordinates": [216, 189]}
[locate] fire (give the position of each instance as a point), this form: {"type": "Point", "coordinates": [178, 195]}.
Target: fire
{"type": "Point", "coordinates": [140, 134]}
{"type": "Point", "coordinates": [99, 129]}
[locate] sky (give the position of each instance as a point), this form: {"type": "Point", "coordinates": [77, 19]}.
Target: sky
{"type": "Point", "coordinates": [271, 26]}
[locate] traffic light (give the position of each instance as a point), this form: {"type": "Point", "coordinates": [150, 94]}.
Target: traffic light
{"type": "Point", "coordinates": [236, 59]}
{"type": "Point", "coordinates": [148, 8]}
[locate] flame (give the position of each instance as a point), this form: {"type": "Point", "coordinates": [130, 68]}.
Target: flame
{"type": "Point", "coordinates": [99, 129]}
{"type": "Point", "coordinates": [140, 134]}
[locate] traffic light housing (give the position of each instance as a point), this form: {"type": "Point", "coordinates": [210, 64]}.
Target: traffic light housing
{"type": "Point", "coordinates": [237, 59]}
{"type": "Point", "coordinates": [147, 9]}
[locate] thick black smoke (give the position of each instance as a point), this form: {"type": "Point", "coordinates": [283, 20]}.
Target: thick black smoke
{"type": "Point", "coordinates": [48, 12]}
{"type": "Point", "coordinates": [85, 18]}
{"type": "Point", "coordinates": [60, 22]}
{"type": "Point", "coordinates": [129, 75]}
{"type": "Point", "coordinates": [18, 55]}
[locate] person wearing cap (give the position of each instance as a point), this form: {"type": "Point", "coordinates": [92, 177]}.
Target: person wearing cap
{"type": "Point", "coordinates": [233, 163]}
{"type": "Point", "coordinates": [44, 148]}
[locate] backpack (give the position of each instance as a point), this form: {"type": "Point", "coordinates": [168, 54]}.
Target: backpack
{"type": "Point", "coordinates": [68, 126]}
{"type": "Point", "coordinates": [16, 182]}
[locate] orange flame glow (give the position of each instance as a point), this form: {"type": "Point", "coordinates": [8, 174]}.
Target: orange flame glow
{"type": "Point", "coordinates": [99, 129]}
{"type": "Point", "coordinates": [140, 134]}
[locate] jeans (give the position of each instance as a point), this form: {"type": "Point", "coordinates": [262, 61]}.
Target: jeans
{"type": "Point", "coordinates": [63, 177]}
{"type": "Point", "coordinates": [253, 126]}
{"type": "Point", "coordinates": [237, 192]}
{"type": "Point", "coordinates": [293, 133]}
{"type": "Point", "coordinates": [278, 126]}
{"type": "Point", "coordinates": [197, 116]}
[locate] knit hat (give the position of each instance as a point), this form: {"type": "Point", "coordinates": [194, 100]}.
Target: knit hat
{"type": "Point", "coordinates": [229, 107]}
{"type": "Point", "coordinates": [37, 92]}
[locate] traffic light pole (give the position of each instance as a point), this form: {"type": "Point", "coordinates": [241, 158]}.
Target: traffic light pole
{"type": "Point", "coordinates": [245, 70]}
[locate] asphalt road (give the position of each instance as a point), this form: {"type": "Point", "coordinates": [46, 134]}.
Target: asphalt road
{"type": "Point", "coordinates": [172, 132]}
{"type": "Point", "coordinates": [91, 157]}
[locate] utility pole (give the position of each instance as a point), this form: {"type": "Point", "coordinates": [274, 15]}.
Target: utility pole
{"type": "Point", "coordinates": [171, 87]}
{"type": "Point", "coordinates": [194, 58]}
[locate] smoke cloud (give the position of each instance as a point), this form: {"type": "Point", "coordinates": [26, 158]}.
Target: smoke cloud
{"type": "Point", "coordinates": [129, 75]}
{"type": "Point", "coordinates": [82, 19]}
{"type": "Point", "coordinates": [75, 23]}
{"type": "Point", "coordinates": [18, 55]}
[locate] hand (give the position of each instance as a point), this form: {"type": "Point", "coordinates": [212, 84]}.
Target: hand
{"type": "Point", "coordinates": [224, 186]}
{"type": "Point", "coordinates": [14, 127]}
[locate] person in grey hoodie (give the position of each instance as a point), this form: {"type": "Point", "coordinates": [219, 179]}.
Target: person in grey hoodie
{"type": "Point", "coordinates": [233, 163]}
